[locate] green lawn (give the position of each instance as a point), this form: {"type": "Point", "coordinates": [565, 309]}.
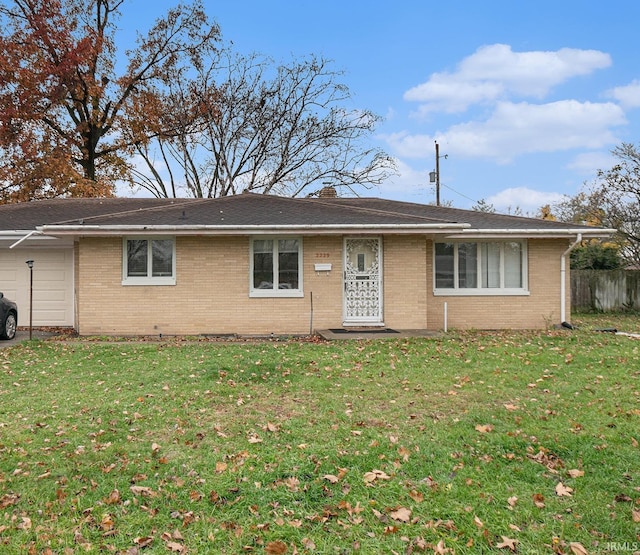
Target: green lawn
{"type": "Point", "coordinates": [467, 443]}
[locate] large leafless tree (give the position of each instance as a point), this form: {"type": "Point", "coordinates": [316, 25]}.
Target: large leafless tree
{"type": "Point", "coordinates": [251, 126]}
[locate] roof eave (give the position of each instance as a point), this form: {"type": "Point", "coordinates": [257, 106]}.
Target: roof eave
{"type": "Point", "coordinates": [586, 233]}
{"type": "Point", "coordinates": [325, 229]}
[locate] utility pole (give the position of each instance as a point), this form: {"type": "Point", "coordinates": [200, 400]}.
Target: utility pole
{"type": "Point", "coordinates": [437, 174]}
{"type": "Point", "coordinates": [434, 177]}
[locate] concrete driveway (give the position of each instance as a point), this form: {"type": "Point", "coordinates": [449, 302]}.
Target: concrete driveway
{"type": "Point", "coordinates": [23, 335]}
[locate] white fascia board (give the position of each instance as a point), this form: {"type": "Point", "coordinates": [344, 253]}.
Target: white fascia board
{"type": "Point", "coordinates": [527, 233]}
{"type": "Point", "coordinates": [328, 229]}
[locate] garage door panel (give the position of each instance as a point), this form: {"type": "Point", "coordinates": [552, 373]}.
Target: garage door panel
{"type": "Point", "coordinates": [52, 284]}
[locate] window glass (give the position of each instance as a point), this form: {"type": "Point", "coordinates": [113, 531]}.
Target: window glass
{"type": "Point", "coordinates": [162, 257]}
{"type": "Point", "coordinates": [480, 266]}
{"type": "Point", "coordinates": [263, 264]}
{"type": "Point", "coordinates": [513, 265]}
{"type": "Point", "coordinates": [467, 265]}
{"type": "Point", "coordinates": [137, 258]}
{"type": "Point", "coordinates": [288, 264]}
{"type": "Point", "coordinates": [444, 265]}
{"type": "Point", "coordinates": [490, 257]}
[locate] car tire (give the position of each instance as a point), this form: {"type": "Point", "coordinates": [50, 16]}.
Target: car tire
{"type": "Point", "coordinates": [9, 327]}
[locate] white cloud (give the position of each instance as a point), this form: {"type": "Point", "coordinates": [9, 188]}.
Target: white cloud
{"type": "Point", "coordinates": [495, 71]}
{"type": "Point", "coordinates": [628, 95]}
{"type": "Point", "coordinates": [516, 129]}
{"type": "Point", "coordinates": [409, 184]}
{"type": "Point", "coordinates": [527, 200]}
{"type": "Point", "coordinates": [588, 163]}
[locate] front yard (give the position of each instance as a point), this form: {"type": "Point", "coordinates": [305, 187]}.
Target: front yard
{"type": "Point", "coordinates": [468, 443]}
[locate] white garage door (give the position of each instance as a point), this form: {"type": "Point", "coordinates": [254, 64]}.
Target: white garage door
{"type": "Point", "coordinates": [52, 284]}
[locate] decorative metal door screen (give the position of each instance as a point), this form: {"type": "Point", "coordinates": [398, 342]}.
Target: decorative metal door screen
{"type": "Point", "coordinates": [362, 281]}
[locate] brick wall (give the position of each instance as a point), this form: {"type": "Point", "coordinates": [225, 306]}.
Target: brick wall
{"type": "Point", "coordinates": [540, 309]}
{"type": "Point", "coordinates": [211, 295]}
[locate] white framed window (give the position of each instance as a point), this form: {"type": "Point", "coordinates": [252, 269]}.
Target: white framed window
{"type": "Point", "coordinates": [276, 267]}
{"type": "Point", "coordinates": [480, 268]}
{"type": "Point", "coordinates": [149, 261]}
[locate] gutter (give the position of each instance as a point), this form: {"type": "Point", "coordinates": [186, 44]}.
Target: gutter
{"type": "Point", "coordinates": [563, 275]}
{"type": "Point", "coordinates": [100, 230]}
{"type": "Point", "coordinates": [531, 232]}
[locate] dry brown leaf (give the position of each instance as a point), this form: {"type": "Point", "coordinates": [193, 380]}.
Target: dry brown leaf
{"type": "Point", "coordinates": [484, 428]}
{"type": "Point", "coordinates": [509, 543]}
{"type": "Point", "coordinates": [478, 522]}
{"type": "Point", "coordinates": [374, 475]}
{"type": "Point", "coordinates": [272, 427]}
{"type": "Point", "coordinates": [331, 478]}
{"type": "Point", "coordinates": [275, 548]}
{"type": "Point", "coordinates": [512, 501]}
{"type": "Point", "coordinates": [538, 500]}
{"type": "Point", "coordinates": [221, 466]}
{"type": "Point", "coordinates": [416, 495]}
{"type": "Point", "coordinates": [635, 515]}
{"type": "Point", "coordinates": [562, 490]}
{"type": "Point", "coordinates": [142, 490]}
{"type": "Point", "coordinates": [113, 498]}
{"type": "Point", "coordinates": [145, 541]}
{"type": "Point", "coordinates": [577, 548]}
{"type": "Point", "coordinates": [308, 544]}
{"type": "Point", "coordinates": [575, 473]}
{"type": "Point", "coordinates": [401, 514]}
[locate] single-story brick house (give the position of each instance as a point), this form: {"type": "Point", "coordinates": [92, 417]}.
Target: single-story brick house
{"type": "Point", "coordinates": [262, 264]}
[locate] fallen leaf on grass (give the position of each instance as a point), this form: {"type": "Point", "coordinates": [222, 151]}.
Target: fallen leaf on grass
{"type": "Point", "coordinates": [635, 515]}
{"type": "Point", "coordinates": [512, 501]}
{"type": "Point", "coordinates": [370, 477]}
{"type": "Point", "coordinates": [562, 490]}
{"type": "Point", "coordinates": [538, 500]}
{"type": "Point", "coordinates": [484, 428]}
{"type": "Point", "coordinates": [276, 548]}
{"type": "Point", "coordinates": [577, 548]}
{"type": "Point", "coordinates": [331, 478]}
{"type": "Point", "coordinates": [142, 490]}
{"type": "Point", "coordinates": [575, 473]}
{"type": "Point", "coordinates": [401, 514]}
{"type": "Point", "coordinates": [509, 543]}
{"type": "Point", "coordinates": [8, 499]}
{"type": "Point", "coordinates": [416, 495]}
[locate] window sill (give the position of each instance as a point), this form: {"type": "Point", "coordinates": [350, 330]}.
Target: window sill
{"type": "Point", "coordinates": [149, 281]}
{"type": "Point", "coordinates": [481, 293]}
{"type": "Point", "coordinates": [280, 293]}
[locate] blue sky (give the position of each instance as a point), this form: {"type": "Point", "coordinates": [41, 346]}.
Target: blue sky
{"type": "Point", "coordinates": [526, 99]}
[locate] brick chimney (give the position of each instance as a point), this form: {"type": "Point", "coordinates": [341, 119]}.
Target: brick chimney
{"type": "Point", "coordinates": [328, 192]}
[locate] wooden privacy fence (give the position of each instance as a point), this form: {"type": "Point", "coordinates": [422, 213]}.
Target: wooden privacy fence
{"type": "Point", "coordinates": [605, 290]}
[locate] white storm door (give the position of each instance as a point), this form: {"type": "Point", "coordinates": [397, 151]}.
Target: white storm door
{"type": "Point", "coordinates": [362, 281]}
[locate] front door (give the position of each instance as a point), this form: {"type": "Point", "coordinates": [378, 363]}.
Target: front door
{"type": "Point", "coordinates": [362, 281]}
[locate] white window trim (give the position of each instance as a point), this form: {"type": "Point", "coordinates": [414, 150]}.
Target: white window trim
{"type": "Point", "coordinates": [270, 293]}
{"type": "Point", "coordinates": [148, 280]}
{"type": "Point", "coordinates": [483, 291]}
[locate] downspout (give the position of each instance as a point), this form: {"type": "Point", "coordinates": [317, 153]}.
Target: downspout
{"type": "Point", "coordinates": [27, 236]}
{"type": "Point", "coordinates": [563, 275]}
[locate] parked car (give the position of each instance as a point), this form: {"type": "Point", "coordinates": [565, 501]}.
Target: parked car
{"type": "Point", "coordinates": [8, 318]}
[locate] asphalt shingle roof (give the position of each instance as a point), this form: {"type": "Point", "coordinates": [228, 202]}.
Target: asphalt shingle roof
{"type": "Point", "coordinates": [254, 210]}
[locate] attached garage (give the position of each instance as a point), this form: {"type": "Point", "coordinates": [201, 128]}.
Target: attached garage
{"type": "Point", "coordinates": [53, 303]}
